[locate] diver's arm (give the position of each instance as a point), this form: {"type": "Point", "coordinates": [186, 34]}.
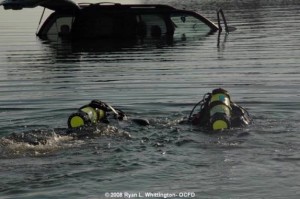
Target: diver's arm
{"type": "Point", "coordinates": [240, 117]}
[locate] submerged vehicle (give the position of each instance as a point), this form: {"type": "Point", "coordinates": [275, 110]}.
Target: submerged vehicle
{"type": "Point", "coordinates": [113, 20]}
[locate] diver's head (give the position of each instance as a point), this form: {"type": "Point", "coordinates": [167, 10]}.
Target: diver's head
{"type": "Point", "coordinates": [98, 104]}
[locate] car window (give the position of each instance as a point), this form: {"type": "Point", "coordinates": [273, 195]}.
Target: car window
{"type": "Point", "coordinates": [154, 25]}
{"type": "Point", "coordinates": [61, 25]}
{"type": "Point", "coordinates": [188, 26]}
{"type": "Point", "coordinates": [99, 25]}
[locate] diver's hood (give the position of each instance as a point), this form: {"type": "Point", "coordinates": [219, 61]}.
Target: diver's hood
{"type": "Point", "coordinates": [56, 5]}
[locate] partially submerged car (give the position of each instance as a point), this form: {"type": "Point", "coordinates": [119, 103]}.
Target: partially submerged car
{"type": "Point", "coordinates": [113, 20]}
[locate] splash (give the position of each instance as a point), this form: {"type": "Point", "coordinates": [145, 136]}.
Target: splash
{"type": "Point", "coordinates": [49, 141]}
{"type": "Point", "coordinates": [31, 143]}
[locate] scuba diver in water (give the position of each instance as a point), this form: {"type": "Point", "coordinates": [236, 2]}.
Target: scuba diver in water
{"type": "Point", "coordinates": [217, 112]}
{"type": "Point", "coordinates": [95, 112]}
{"type": "Point", "coordinates": [94, 119]}
{"type": "Point", "coordinates": [99, 112]}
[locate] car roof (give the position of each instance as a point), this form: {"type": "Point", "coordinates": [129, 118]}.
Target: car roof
{"type": "Point", "coordinates": [64, 5]}
{"type": "Point", "coordinates": [129, 6]}
{"type": "Point", "coordinates": [56, 5]}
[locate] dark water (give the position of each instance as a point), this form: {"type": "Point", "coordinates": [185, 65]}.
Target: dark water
{"type": "Point", "coordinates": [42, 83]}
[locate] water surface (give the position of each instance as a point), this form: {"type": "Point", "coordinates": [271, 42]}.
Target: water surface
{"type": "Point", "coordinates": [43, 82]}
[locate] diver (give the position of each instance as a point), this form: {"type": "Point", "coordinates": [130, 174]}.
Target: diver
{"type": "Point", "coordinates": [99, 112]}
{"type": "Point", "coordinates": [217, 112]}
{"type": "Point", "coordinates": [94, 119]}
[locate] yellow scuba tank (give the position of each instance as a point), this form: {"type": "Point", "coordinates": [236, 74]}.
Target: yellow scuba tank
{"type": "Point", "coordinates": [86, 115]}
{"type": "Point", "coordinates": [220, 109]}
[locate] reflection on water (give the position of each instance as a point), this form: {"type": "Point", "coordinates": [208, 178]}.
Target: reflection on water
{"type": "Point", "coordinates": [43, 82]}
